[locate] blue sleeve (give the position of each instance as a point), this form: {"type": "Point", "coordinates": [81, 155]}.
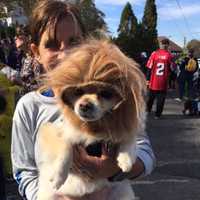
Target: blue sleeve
{"type": "Point", "coordinates": [145, 153]}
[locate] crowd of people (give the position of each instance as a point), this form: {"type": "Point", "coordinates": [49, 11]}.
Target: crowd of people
{"type": "Point", "coordinates": [36, 50]}
{"type": "Point", "coordinates": [164, 72]}
{"type": "Point", "coordinates": [17, 61]}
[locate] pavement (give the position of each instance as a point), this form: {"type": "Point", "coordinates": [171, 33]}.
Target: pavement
{"type": "Point", "coordinates": [176, 142]}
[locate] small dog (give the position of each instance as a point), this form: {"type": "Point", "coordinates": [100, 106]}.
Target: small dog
{"type": "Point", "coordinates": [101, 95]}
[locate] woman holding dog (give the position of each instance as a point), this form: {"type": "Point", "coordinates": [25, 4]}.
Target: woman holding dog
{"type": "Point", "coordinates": [56, 27]}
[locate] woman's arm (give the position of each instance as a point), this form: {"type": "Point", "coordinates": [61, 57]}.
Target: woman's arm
{"type": "Point", "coordinates": [22, 152]}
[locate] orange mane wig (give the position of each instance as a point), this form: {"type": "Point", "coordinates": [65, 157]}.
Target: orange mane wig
{"type": "Point", "coordinates": [100, 60]}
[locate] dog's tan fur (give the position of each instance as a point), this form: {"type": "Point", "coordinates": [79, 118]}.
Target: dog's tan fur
{"type": "Point", "coordinates": [99, 61]}
{"type": "Point", "coordinates": [103, 61]}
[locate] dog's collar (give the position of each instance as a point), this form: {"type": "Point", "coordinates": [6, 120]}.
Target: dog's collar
{"type": "Point", "coordinates": [48, 93]}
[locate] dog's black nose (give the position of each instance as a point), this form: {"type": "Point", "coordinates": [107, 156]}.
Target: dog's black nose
{"type": "Point", "coordinates": [86, 107]}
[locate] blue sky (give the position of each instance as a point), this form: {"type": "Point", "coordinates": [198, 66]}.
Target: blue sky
{"type": "Point", "coordinates": [175, 20]}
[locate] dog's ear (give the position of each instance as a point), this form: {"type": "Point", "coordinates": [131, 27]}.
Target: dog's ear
{"type": "Point", "coordinates": [138, 95]}
{"type": "Point", "coordinates": [70, 94]}
{"type": "Point", "coordinates": [119, 99]}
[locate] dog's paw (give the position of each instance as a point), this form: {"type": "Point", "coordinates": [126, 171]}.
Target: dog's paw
{"type": "Point", "coordinates": [60, 174]}
{"type": "Point", "coordinates": [125, 162]}
{"type": "Point", "coordinates": [57, 180]}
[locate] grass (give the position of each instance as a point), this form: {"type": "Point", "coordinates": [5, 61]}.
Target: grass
{"type": "Point", "coordinates": [10, 91]}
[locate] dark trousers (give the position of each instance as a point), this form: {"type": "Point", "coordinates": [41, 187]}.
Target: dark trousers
{"type": "Point", "coordinates": [172, 80]}
{"type": "Point", "coordinates": [181, 87]}
{"type": "Point", "coordinates": [2, 181]}
{"type": "Point", "coordinates": [160, 98]}
{"type": "Point", "coordinates": [182, 83]}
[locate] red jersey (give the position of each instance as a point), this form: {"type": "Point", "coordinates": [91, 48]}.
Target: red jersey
{"type": "Point", "coordinates": [159, 63]}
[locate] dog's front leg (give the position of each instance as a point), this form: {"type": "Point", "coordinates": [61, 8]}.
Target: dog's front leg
{"type": "Point", "coordinates": [127, 155]}
{"type": "Point", "coordinates": [56, 158]}
{"type": "Point", "coordinates": [53, 175]}
{"type": "Point", "coordinates": [61, 166]}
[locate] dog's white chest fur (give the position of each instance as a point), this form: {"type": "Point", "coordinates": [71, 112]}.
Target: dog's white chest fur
{"type": "Point", "coordinates": [56, 143]}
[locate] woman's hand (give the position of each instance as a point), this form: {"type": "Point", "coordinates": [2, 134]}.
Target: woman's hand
{"type": "Point", "coordinates": [99, 167]}
{"type": "Point", "coordinates": [96, 167]}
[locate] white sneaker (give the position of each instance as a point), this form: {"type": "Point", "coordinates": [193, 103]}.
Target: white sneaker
{"type": "Point", "coordinates": [185, 98]}
{"type": "Point", "coordinates": [156, 117]}
{"type": "Point", "coordinates": [178, 99]}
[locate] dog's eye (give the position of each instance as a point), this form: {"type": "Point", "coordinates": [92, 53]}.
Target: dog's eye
{"type": "Point", "coordinates": [106, 94]}
{"type": "Point", "coordinates": [78, 92]}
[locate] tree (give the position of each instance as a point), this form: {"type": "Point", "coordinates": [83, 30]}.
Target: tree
{"type": "Point", "coordinates": [27, 5]}
{"type": "Point", "coordinates": [128, 22]}
{"type": "Point", "coordinates": [127, 31]}
{"type": "Point", "coordinates": [149, 25]}
{"type": "Point", "coordinates": [93, 18]}
{"type": "Point", "coordinates": [3, 13]}
{"type": "Point", "coordinates": [194, 45]}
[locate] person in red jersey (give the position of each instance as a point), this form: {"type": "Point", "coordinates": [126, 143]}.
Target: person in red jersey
{"type": "Point", "coordinates": [158, 70]}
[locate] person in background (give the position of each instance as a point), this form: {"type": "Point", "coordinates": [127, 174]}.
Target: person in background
{"type": "Point", "coordinates": [173, 76]}
{"type": "Point", "coordinates": [187, 68]}
{"type": "Point", "coordinates": [30, 71]}
{"type": "Point", "coordinates": [2, 54]}
{"type": "Point", "coordinates": [17, 53]}
{"type": "Point", "coordinates": [55, 27]}
{"type": "Point", "coordinates": [142, 61]}
{"type": "Point", "coordinates": [158, 70]}
{"type": "Point", "coordinates": [7, 46]}
{"type": "Point", "coordinates": [30, 74]}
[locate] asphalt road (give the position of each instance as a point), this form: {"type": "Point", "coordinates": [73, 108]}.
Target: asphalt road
{"type": "Point", "coordinates": [176, 142]}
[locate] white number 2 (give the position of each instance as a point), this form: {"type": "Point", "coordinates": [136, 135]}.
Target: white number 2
{"type": "Point", "coordinates": [160, 69]}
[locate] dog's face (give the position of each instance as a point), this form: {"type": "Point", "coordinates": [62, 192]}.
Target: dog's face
{"type": "Point", "coordinates": [91, 101]}
{"type": "Point", "coordinates": [94, 79]}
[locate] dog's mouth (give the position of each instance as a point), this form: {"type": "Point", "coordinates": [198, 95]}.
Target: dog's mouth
{"type": "Point", "coordinates": [94, 149]}
{"type": "Point", "coordinates": [87, 117]}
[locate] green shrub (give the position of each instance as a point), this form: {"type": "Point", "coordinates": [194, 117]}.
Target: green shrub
{"type": "Point", "coordinates": [10, 92]}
